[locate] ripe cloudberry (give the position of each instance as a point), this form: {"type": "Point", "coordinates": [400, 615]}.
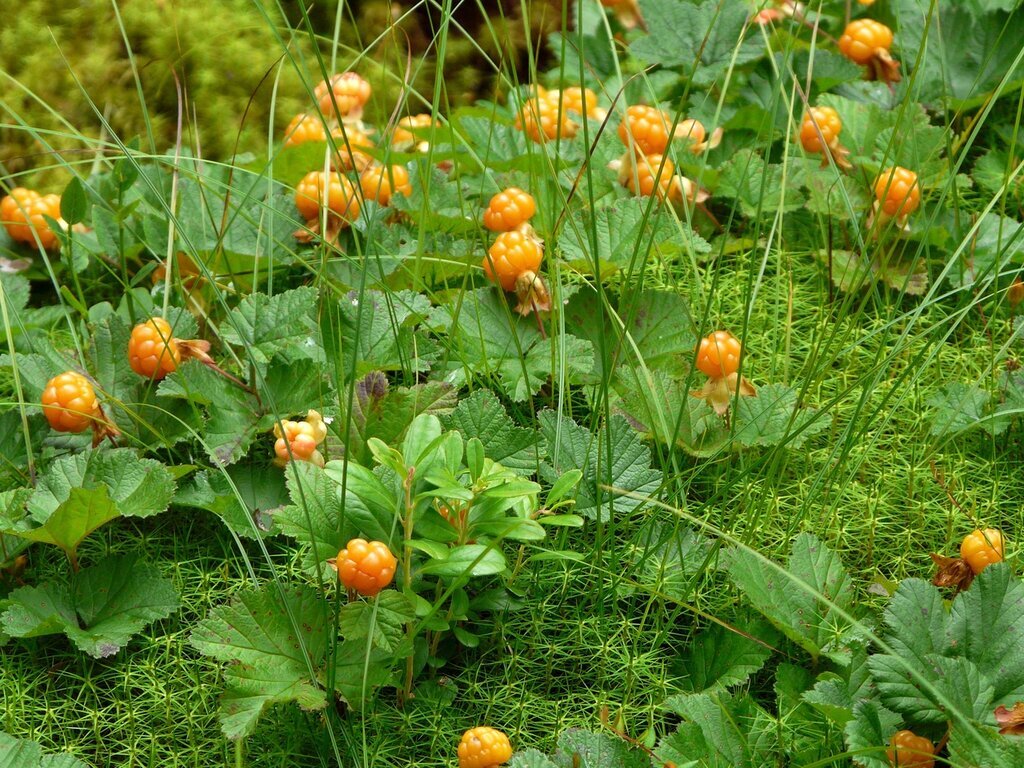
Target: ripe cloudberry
{"type": "Point", "coordinates": [299, 440]}
{"type": "Point", "coordinates": [908, 750]}
{"type": "Point", "coordinates": [540, 120]}
{"type": "Point", "coordinates": [819, 134]}
{"type": "Point", "coordinates": [366, 567]}
{"type": "Point", "coordinates": [152, 349]}
{"type": "Point", "coordinates": [509, 209]}
{"type": "Point", "coordinates": [581, 101]}
{"type": "Point", "coordinates": [696, 136]}
{"type": "Point", "coordinates": [867, 42]}
{"type": "Point", "coordinates": [334, 190]}
{"type": "Point", "coordinates": [484, 747]}
{"type": "Point", "coordinates": [379, 183]}
{"type": "Point", "coordinates": [350, 145]}
{"type": "Point", "coordinates": [347, 90]}
{"type": "Point", "coordinates": [897, 193]}
{"type": "Point", "coordinates": [719, 354]}
{"type": "Point", "coordinates": [512, 254]}
{"type": "Point", "coordinates": [651, 174]}
{"type": "Point", "coordinates": [647, 127]}
{"type": "Point", "coordinates": [982, 548]}
{"type": "Point", "coordinates": [304, 128]}
{"type": "Point", "coordinates": [70, 405]}
{"type": "Point", "coordinates": [22, 213]}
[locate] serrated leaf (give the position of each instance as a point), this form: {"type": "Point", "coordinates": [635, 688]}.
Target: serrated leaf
{"type": "Point", "coordinates": [383, 621]}
{"type": "Point", "coordinates": [759, 188]}
{"type": "Point", "coordinates": [530, 758]}
{"type": "Point", "coordinates": [583, 749]}
{"type": "Point", "coordinates": [245, 499]}
{"type": "Point", "coordinates": [85, 510]}
{"type": "Point", "coordinates": [614, 463]}
{"type": "Point", "coordinates": [481, 415]}
{"type": "Point", "coordinates": [799, 602]}
{"type": "Point", "coordinates": [23, 753]}
{"type": "Point", "coordinates": [997, 244]}
{"type": "Point", "coordinates": [725, 731]}
{"type": "Point", "coordinates": [720, 657]}
{"type": "Point", "coordinates": [99, 610]}
{"type": "Point", "coordinates": [271, 325]}
{"type": "Point", "coordinates": [931, 689]}
{"type": "Point", "coordinates": [774, 417]}
{"type": "Point", "coordinates": [378, 332]}
{"type": "Point", "coordinates": [869, 732]}
{"type": "Point", "coordinates": [956, 408]}
{"type": "Point", "coordinates": [270, 660]}
{"type": "Point", "coordinates": [702, 38]}
{"type": "Point", "coordinates": [986, 625]}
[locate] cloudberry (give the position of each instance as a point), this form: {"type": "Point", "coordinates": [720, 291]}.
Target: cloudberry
{"type": "Point", "coordinates": [22, 213]}
{"type": "Point", "coordinates": [304, 128]}
{"type": "Point", "coordinates": [897, 192]}
{"type": "Point", "coordinates": [541, 120]}
{"type": "Point", "coordinates": [348, 90]}
{"type": "Point", "coordinates": [152, 349]}
{"type": "Point", "coordinates": [337, 191]}
{"type": "Point", "coordinates": [484, 747]}
{"type": "Point", "coordinates": [512, 254]}
{"type": "Point", "coordinates": [366, 567]}
{"type": "Point", "coordinates": [648, 128]}
{"type": "Point", "coordinates": [908, 750]}
{"type": "Point", "coordinates": [719, 354]}
{"type": "Point", "coordinates": [982, 548]}
{"type": "Point", "coordinates": [379, 183]}
{"type": "Point", "coordinates": [509, 209]}
{"type": "Point", "coordinates": [69, 402]}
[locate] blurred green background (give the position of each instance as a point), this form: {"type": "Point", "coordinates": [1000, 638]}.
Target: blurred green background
{"type": "Point", "coordinates": [65, 62]}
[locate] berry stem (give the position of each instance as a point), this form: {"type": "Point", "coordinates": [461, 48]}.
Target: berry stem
{"type": "Point", "coordinates": [407, 577]}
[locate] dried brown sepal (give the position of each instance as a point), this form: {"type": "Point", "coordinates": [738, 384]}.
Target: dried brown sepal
{"type": "Point", "coordinates": [103, 428]}
{"type": "Point", "coordinates": [839, 154]}
{"type": "Point", "coordinates": [628, 13]}
{"type": "Point", "coordinates": [952, 572]}
{"type": "Point", "coordinates": [883, 67]}
{"type": "Point", "coordinates": [718, 392]}
{"type": "Point", "coordinates": [533, 294]}
{"type": "Point", "coordinates": [1011, 721]}
{"type": "Point", "coordinates": [1015, 293]}
{"type": "Point", "coordinates": [878, 219]}
{"type": "Point", "coordinates": [311, 232]}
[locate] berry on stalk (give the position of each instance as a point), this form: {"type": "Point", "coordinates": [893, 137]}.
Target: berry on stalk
{"type": "Point", "coordinates": [23, 213]}
{"type": "Point", "coordinates": [718, 358]}
{"type": "Point", "coordinates": [484, 747]}
{"type": "Point", "coordinates": [70, 405]}
{"type": "Point", "coordinates": [365, 567]}
{"type": "Point", "coordinates": [867, 42]}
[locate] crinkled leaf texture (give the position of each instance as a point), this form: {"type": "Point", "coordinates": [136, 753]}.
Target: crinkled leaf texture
{"type": "Point", "coordinates": [583, 749]}
{"type": "Point", "coordinates": [275, 644]}
{"type": "Point", "coordinates": [23, 753]}
{"type": "Point", "coordinates": [719, 731]}
{"type": "Point", "coordinates": [806, 600]}
{"type": "Point", "coordinates": [481, 415]}
{"type": "Point", "coordinates": [99, 609]}
{"type": "Point", "coordinates": [616, 465]}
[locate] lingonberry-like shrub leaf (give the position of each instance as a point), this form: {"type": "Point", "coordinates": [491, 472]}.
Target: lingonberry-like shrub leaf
{"type": "Point", "coordinates": [98, 609]}
{"type": "Point", "coordinates": [282, 324]}
{"type": "Point", "coordinates": [481, 415]}
{"type": "Point", "coordinates": [275, 647]}
{"type": "Point", "coordinates": [805, 600]}
{"type": "Point", "coordinates": [719, 731]}
{"type": "Point", "coordinates": [23, 753]}
{"type": "Point", "coordinates": [385, 412]}
{"type": "Point", "coordinates": [486, 339]}
{"type": "Point", "coordinates": [703, 38]}
{"type": "Point", "coordinates": [614, 463]}
{"type": "Point", "coordinates": [720, 657]}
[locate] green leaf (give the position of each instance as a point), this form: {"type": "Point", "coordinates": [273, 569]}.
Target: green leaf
{"type": "Point", "coordinates": [759, 188]}
{"type": "Point", "coordinates": [986, 625]}
{"type": "Point", "coordinates": [22, 753]}
{"type": "Point", "coordinates": [997, 244]}
{"type": "Point", "coordinates": [836, 696]}
{"type": "Point", "coordinates": [138, 487]}
{"type": "Point", "coordinates": [869, 732]}
{"type": "Point", "coordinates": [720, 657]}
{"type": "Point", "coordinates": [379, 332]}
{"type": "Point", "coordinates": [487, 339]}
{"type": "Point", "coordinates": [530, 758]}
{"type": "Point", "coordinates": [614, 462]}
{"type": "Point", "coordinates": [245, 499]}
{"type": "Point", "coordinates": [383, 621]}
{"type": "Point", "coordinates": [930, 693]}
{"type": "Point", "coordinates": [701, 38]}
{"type": "Point", "coordinates": [774, 417]}
{"type": "Point", "coordinates": [99, 609]}
{"type": "Point", "coordinates": [800, 601]}
{"type": "Point", "coordinates": [83, 512]}
{"type": "Point", "coordinates": [956, 408]}
{"type": "Point", "coordinates": [74, 202]}
{"type": "Point", "coordinates": [722, 731]}
{"type": "Point", "coordinates": [481, 415]}
{"type": "Point", "coordinates": [272, 660]}
{"type": "Point", "coordinates": [384, 412]}
{"type": "Point", "coordinates": [583, 749]}
{"type": "Point", "coordinates": [271, 325]}
{"type": "Point", "coordinates": [465, 561]}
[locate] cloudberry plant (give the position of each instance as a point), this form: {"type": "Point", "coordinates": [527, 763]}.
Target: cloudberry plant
{"type": "Point", "coordinates": [484, 747]}
{"type": "Point", "coordinates": [867, 42]}
{"type": "Point", "coordinates": [512, 262]}
{"type": "Point", "coordinates": [819, 134]}
{"type": "Point", "coordinates": [651, 174]}
{"type": "Point", "coordinates": [718, 357]}
{"type": "Point", "coordinates": [23, 214]}
{"type": "Point", "coordinates": [403, 137]}
{"type": "Point", "coordinates": [350, 149]}
{"type": "Point", "coordinates": [380, 182]}
{"type": "Point", "coordinates": [695, 135]}
{"type": "Point", "coordinates": [70, 405]}
{"type": "Point", "coordinates": [304, 128]}
{"type": "Point", "coordinates": [908, 750]}
{"type": "Point", "coordinates": [299, 440]}
{"type": "Point", "coordinates": [365, 567]}
{"type": "Point", "coordinates": [982, 548]}
{"type": "Point", "coordinates": [540, 119]}
{"type": "Point", "coordinates": [344, 94]}
{"type": "Point", "coordinates": [509, 209]}
{"type": "Point", "coordinates": [897, 195]}
{"type": "Point", "coordinates": [646, 128]}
